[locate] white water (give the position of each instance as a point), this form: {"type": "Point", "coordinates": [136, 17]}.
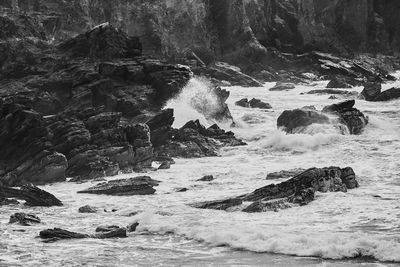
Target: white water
{"type": "Point", "coordinates": [336, 226]}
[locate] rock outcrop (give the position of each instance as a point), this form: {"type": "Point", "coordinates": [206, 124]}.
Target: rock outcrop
{"type": "Point", "coordinates": [373, 92]}
{"type": "Point", "coordinates": [33, 195]}
{"type": "Point", "coordinates": [51, 235]}
{"type": "Point", "coordinates": [141, 185]}
{"type": "Point", "coordinates": [253, 103]}
{"type": "Point", "coordinates": [295, 121]}
{"type": "Point", "coordinates": [24, 219]}
{"type": "Point", "coordinates": [299, 190]}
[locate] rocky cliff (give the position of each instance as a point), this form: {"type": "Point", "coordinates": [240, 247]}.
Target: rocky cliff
{"type": "Point", "coordinates": [227, 28]}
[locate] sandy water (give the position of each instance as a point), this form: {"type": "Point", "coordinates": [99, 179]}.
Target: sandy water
{"type": "Point", "coordinates": [362, 223]}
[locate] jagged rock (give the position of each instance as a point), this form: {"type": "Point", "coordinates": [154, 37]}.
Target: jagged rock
{"type": "Point", "coordinates": [103, 41]}
{"type": "Point", "coordinates": [253, 103]}
{"type": "Point", "coordinates": [24, 219]}
{"type": "Point", "coordinates": [57, 234]}
{"type": "Point", "coordinates": [299, 190]}
{"type": "Point", "coordinates": [132, 227]}
{"type": "Point", "coordinates": [107, 228]}
{"type": "Point", "coordinates": [390, 94]}
{"type": "Point", "coordinates": [291, 120]}
{"type": "Point", "coordinates": [87, 209]}
{"type": "Point", "coordinates": [194, 140]}
{"type": "Point", "coordinates": [225, 72]}
{"type": "Point", "coordinates": [206, 178]}
{"type": "Point", "coordinates": [33, 195]}
{"type": "Point", "coordinates": [284, 174]}
{"type": "Point", "coordinates": [338, 82]}
{"type": "Point", "coordinates": [354, 119]}
{"type": "Point", "coordinates": [140, 185]}
{"type": "Point", "coordinates": [279, 86]}
{"type": "Point", "coordinates": [180, 190]}
{"type": "Point", "coordinates": [7, 201]}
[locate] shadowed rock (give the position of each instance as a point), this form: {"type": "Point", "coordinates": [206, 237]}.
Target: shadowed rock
{"type": "Point", "coordinates": [290, 120]}
{"type": "Point", "coordinates": [55, 234]}
{"type": "Point", "coordinates": [24, 219]}
{"type": "Point", "coordinates": [33, 195]}
{"type": "Point", "coordinates": [206, 178]}
{"type": "Point", "coordinates": [279, 86]}
{"type": "Point", "coordinates": [298, 190]}
{"type": "Point", "coordinates": [141, 185]}
{"type": "Point", "coordinates": [284, 174]}
{"type": "Point", "coordinates": [253, 103]}
{"type": "Point", "coordinates": [87, 209]}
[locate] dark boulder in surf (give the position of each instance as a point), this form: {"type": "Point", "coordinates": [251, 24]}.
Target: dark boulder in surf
{"type": "Point", "coordinates": [284, 174]}
{"type": "Point", "coordinates": [299, 190]}
{"type": "Point", "coordinates": [24, 219]}
{"type": "Point", "coordinates": [33, 195]}
{"type": "Point", "coordinates": [141, 185]}
{"type": "Point", "coordinates": [354, 119]}
{"type": "Point", "coordinates": [292, 121]}
{"type": "Point", "coordinates": [253, 103]}
{"type": "Point", "coordinates": [338, 82]}
{"type": "Point", "coordinates": [51, 235]}
{"type": "Point", "coordinates": [87, 209]}
{"type": "Point", "coordinates": [280, 86]}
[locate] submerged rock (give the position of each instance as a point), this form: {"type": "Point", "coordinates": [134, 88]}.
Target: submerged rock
{"type": "Point", "coordinates": [206, 178]}
{"type": "Point", "coordinates": [279, 86]}
{"type": "Point", "coordinates": [165, 165]}
{"type": "Point", "coordinates": [299, 190]}
{"type": "Point", "coordinates": [140, 185]}
{"type": "Point", "coordinates": [24, 219]}
{"type": "Point", "coordinates": [55, 234]}
{"type": "Point", "coordinates": [33, 195]}
{"type": "Point", "coordinates": [87, 209]}
{"type": "Point", "coordinates": [291, 120]}
{"type": "Point", "coordinates": [332, 92]}
{"type": "Point", "coordinates": [338, 82]}
{"type": "Point", "coordinates": [253, 103]}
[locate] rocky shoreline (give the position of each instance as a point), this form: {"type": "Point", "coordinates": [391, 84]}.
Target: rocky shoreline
{"type": "Point", "coordinates": [92, 105]}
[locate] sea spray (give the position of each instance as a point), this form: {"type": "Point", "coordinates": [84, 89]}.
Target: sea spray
{"type": "Point", "coordinates": [197, 101]}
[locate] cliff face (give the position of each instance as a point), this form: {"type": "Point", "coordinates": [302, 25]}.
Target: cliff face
{"type": "Point", "coordinates": [231, 30]}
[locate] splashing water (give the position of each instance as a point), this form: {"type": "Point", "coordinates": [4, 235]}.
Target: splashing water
{"type": "Point", "coordinates": [197, 100]}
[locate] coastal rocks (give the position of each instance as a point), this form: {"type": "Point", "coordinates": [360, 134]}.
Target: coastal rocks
{"type": "Point", "coordinates": [164, 165]}
{"type": "Point", "coordinates": [194, 140]}
{"type": "Point", "coordinates": [332, 92]}
{"type": "Point", "coordinates": [141, 185]}
{"type": "Point", "coordinates": [103, 41]}
{"type": "Point", "coordinates": [295, 121]}
{"type": "Point", "coordinates": [284, 174]}
{"type": "Point", "coordinates": [87, 209]}
{"type": "Point", "coordinates": [24, 219]}
{"type": "Point", "coordinates": [338, 82]}
{"type": "Point", "coordinates": [354, 119]}
{"type": "Point", "coordinates": [299, 190]}
{"type": "Point", "coordinates": [33, 195]}
{"type": "Point", "coordinates": [253, 103]}
{"type": "Point", "coordinates": [55, 234]}
{"type": "Point", "coordinates": [225, 72]}
{"type": "Point", "coordinates": [280, 86]}
{"type": "Point", "coordinates": [292, 121]}
{"type": "Point", "coordinates": [206, 178]}
{"type": "Point", "coordinates": [373, 92]}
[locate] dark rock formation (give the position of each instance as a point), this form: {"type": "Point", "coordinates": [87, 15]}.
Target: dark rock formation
{"type": "Point", "coordinates": [24, 219]}
{"type": "Point", "coordinates": [294, 121]}
{"type": "Point", "coordinates": [87, 209]}
{"type": "Point", "coordinates": [55, 234]}
{"type": "Point", "coordinates": [354, 119]}
{"type": "Point", "coordinates": [140, 185]}
{"type": "Point", "coordinates": [225, 72]}
{"type": "Point", "coordinates": [332, 92]}
{"type": "Point", "coordinates": [279, 86]}
{"type": "Point", "coordinates": [291, 120]}
{"type": "Point", "coordinates": [284, 174]}
{"type": "Point", "coordinates": [373, 92]}
{"type": "Point", "coordinates": [253, 103]}
{"type": "Point", "coordinates": [338, 82]}
{"type": "Point", "coordinates": [298, 190]}
{"type": "Point", "coordinates": [132, 227]}
{"type": "Point", "coordinates": [206, 178]}
{"type": "Point", "coordinates": [164, 165]}
{"type": "Point", "coordinates": [33, 195]}
{"type": "Point", "coordinates": [194, 140]}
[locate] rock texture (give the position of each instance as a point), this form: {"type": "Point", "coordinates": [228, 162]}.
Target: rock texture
{"type": "Point", "coordinates": [295, 121]}
{"type": "Point", "coordinates": [141, 185]}
{"type": "Point", "coordinates": [33, 195]}
{"type": "Point", "coordinates": [253, 103]}
{"type": "Point", "coordinates": [51, 235]}
{"type": "Point", "coordinates": [299, 190]}
{"type": "Point", "coordinates": [373, 92]}
{"type": "Point", "coordinates": [24, 219]}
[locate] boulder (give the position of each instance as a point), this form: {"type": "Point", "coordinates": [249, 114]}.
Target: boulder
{"type": "Point", "coordinates": [33, 195]}
{"type": "Point", "coordinates": [207, 178]}
{"type": "Point", "coordinates": [24, 219]}
{"type": "Point", "coordinates": [390, 94]}
{"type": "Point", "coordinates": [292, 120]}
{"type": "Point", "coordinates": [299, 190]}
{"type": "Point", "coordinates": [165, 165]}
{"type": "Point", "coordinates": [140, 185]}
{"type": "Point", "coordinates": [332, 92]}
{"type": "Point", "coordinates": [338, 82]}
{"type": "Point", "coordinates": [87, 209]}
{"type": "Point", "coordinates": [371, 91]}
{"type": "Point", "coordinates": [253, 103]}
{"type": "Point", "coordinates": [55, 234]}
{"type": "Point", "coordinates": [354, 119]}
{"type": "Point", "coordinates": [280, 86]}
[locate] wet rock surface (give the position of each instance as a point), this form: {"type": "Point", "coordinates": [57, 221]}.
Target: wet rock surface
{"type": "Point", "coordinates": [33, 195]}
{"type": "Point", "coordinates": [299, 190]}
{"type": "Point", "coordinates": [373, 92]}
{"type": "Point", "coordinates": [24, 219]}
{"type": "Point", "coordinates": [284, 174]}
{"type": "Point", "coordinates": [295, 121]}
{"type": "Point", "coordinates": [280, 86]}
{"type": "Point", "coordinates": [253, 103]}
{"type": "Point", "coordinates": [51, 235]}
{"type": "Point", "coordinates": [140, 185]}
